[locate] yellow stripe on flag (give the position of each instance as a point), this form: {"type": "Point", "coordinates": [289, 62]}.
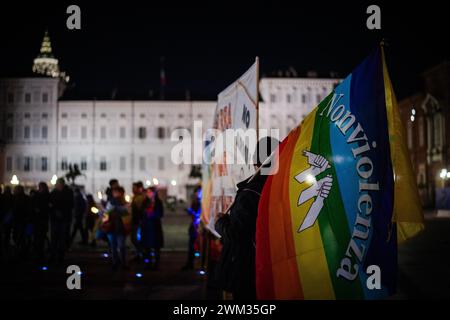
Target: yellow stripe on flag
{"type": "Point", "coordinates": [311, 259]}
{"type": "Point", "coordinates": [407, 208]}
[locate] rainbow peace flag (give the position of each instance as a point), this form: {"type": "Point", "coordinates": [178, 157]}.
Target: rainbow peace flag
{"type": "Point", "coordinates": [343, 197]}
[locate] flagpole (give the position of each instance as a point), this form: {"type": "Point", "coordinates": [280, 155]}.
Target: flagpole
{"type": "Point", "coordinates": [257, 98]}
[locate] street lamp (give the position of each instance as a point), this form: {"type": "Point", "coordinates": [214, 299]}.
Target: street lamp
{"type": "Point", "coordinates": [155, 181]}
{"type": "Point", "coordinates": [14, 180]}
{"type": "Point", "coordinates": [173, 182]}
{"type": "Point", "coordinates": [148, 183]}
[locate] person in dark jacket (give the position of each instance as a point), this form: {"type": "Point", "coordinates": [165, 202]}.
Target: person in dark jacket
{"type": "Point", "coordinates": [91, 219]}
{"type": "Point", "coordinates": [117, 209]}
{"type": "Point", "coordinates": [80, 216]}
{"type": "Point", "coordinates": [7, 221]}
{"type": "Point", "coordinates": [236, 269]}
{"type": "Point", "coordinates": [138, 204]}
{"type": "Point", "coordinates": [41, 216]}
{"type": "Point", "coordinates": [21, 220]}
{"type": "Point", "coordinates": [194, 211]}
{"type": "Point", "coordinates": [61, 200]}
{"type": "Point", "coordinates": [152, 232]}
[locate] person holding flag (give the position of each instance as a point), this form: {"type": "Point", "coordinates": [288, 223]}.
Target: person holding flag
{"type": "Point", "coordinates": [236, 268]}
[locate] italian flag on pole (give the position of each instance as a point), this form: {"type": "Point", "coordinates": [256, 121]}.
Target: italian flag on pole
{"type": "Point", "coordinates": [342, 199]}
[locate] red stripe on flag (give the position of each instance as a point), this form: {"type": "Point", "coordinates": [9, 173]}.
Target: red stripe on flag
{"type": "Point", "coordinates": [264, 276]}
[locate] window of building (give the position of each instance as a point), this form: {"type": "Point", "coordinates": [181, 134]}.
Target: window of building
{"type": "Point", "coordinates": [122, 163]}
{"type": "Point", "coordinates": [45, 115]}
{"type": "Point", "coordinates": [421, 132]}
{"type": "Point", "coordinates": [123, 132]}
{"type": "Point", "coordinates": [83, 116]}
{"type": "Point", "coordinates": [318, 98]}
{"type": "Point", "coordinates": [44, 132]}
{"type": "Point", "coordinates": [26, 132]}
{"type": "Point", "coordinates": [8, 164]}
{"type": "Point", "coordinates": [161, 163]}
{"type": "Point", "coordinates": [10, 97]}
{"type": "Point", "coordinates": [27, 97]}
{"type": "Point", "coordinates": [142, 132]}
{"type": "Point", "coordinates": [83, 132]}
{"type": "Point", "coordinates": [273, 98]}
{"type": "Point", "coordinates": [103, 166]}
{"type": "Point", "coordinates": [64, 164]}
{"type": "Point", "coordinates": [44, 164]}
{"type": "Point", "coordinates": [288, 98]}
{"type": "Point", "coordinates": [103, 115]}
{"type": "Point", "coordinates": [27, 115]}
{"type": "Point", "coordinates": [142, 163]}
{"type": "Point", "coordinates": [10, 116]}
{"type": "Point", "coordinates": [103, 133]}
{"type": "Point", "coordinates": [27, 164]}
{"type": "Point", "coordinates": [161, 133]}
{"type": "Point", "coordinates": [83, 164]}
{"type": "Point", "coordinates": [142, 115]}
{"type": "Point", "coordinates": [122, 115]}
{"type": "Point", "coordinates": [180, 116]}
{"type": "Point", "coordinates": [161, 115]}
{"type": "Point", "coordinates": [437, 121]}
{"type": "Point", "coordinates": [64, 132]}
{"type": "Point", "coordinates": [303, 98]}
{"type": "Point", "coordinates": [45, 97]}
{"type": "Point", "coordinates": [64, 115]}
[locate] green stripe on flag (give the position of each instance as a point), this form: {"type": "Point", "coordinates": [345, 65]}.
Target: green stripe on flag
{"type": "Point", "coordinates": [333, 220]}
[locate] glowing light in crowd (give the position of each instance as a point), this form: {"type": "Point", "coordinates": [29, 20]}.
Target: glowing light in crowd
{"type": "Point", "coordinates": [155, 181]}
{"type": "Point", "coordinates": [444, 174]}
{"type": "Point", "coordinates": [44, 268]}
{"type": "Point", "coordinates": [197, 254]}
{"type": "Point", "coordinates": [105, 255]}
{"type": "Point", "coordinates": [202, 272]}
{"type": "Point", "coordinates": [94, 210]}
{"type": "Point", "coordinates": [127, 198]}
{"type": "Point", "coordinates": [79, 273]}
{"type": "Point", "coordinates": [146, 260]}
{"type": "Point", "coordinates": [412, 118]}
{"type": "Point", "coordinates": [99, 195]}
{"type": "Point", "coordinates": [148, 183]}
{"type": "Point", "coordinates": [14, 180]}
{"type": "Point", "coordinates": [54, 179]}
{"type": "Point", "coordinates": [173, 182]}
{"type": "Point", "coordinates": [138, 275]}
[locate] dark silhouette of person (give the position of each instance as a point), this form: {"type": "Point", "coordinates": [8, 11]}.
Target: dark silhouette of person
{"type": "Point", "coordinates": [117, 209]}
{"type": "Point", "coordinates": [236, 269]}
{"type": "Point", "coordinates": [113, 183]}
{"type": "Point", "coordinates": [61, 200]}
{"type": "Point", "coordinates": [21, 219]}
{"type": "Point", "coordinates": [194, 211]}
{"type": "Point", "coordinates": [80, 215]}
{"type": "Point", "coordinates": [139, 203]}
{"type": "Point", "coordinates": [7, 221]}
{"type": "Point", "coordinates": [41, 216]}
{"type": "Point", "coordinates": [91, 219]}
{"type": "Point", "coordinates": [152, 232]}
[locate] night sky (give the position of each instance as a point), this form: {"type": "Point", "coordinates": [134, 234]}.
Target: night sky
{"type": "Point", "coordinates": [208, 46]}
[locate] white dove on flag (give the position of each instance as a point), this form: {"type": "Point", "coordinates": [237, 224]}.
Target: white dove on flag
{"type": "Point", "coordinates": [319, 189]}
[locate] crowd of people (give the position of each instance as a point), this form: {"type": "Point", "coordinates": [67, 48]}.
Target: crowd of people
{"type": "Point", "coordinates": [42, 225]}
